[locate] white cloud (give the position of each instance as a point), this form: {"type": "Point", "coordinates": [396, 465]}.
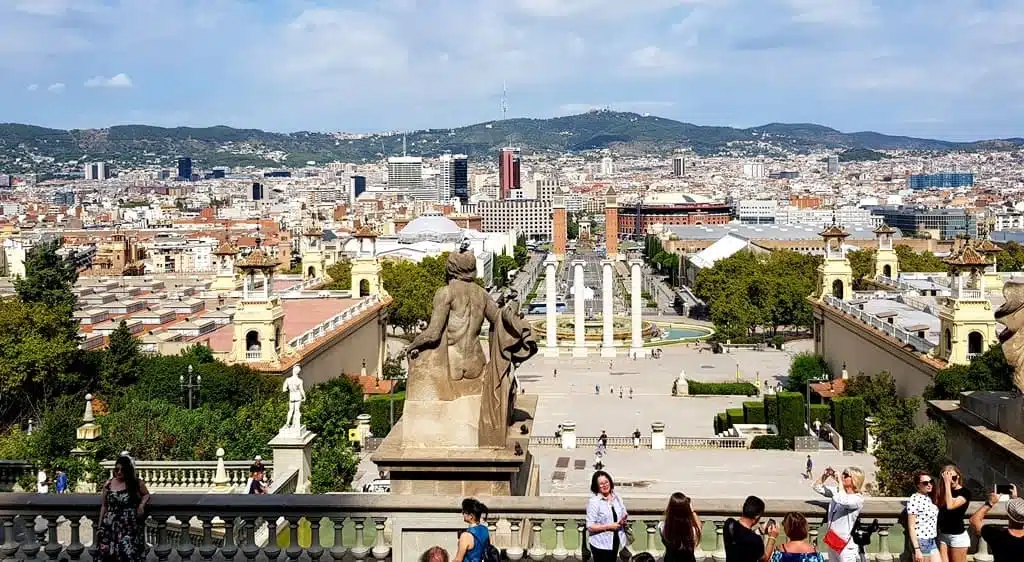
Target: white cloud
{"type": "Point", "coordinates": [840, 13]}
{"type": "Point", "coordinates": [32, 87]}
{"type": "Point", "coordinates": [56, 87]}
{"type": "Point", "coordinates": [117, 81]}
{"type": "Point", "coordinates": [596, 9]}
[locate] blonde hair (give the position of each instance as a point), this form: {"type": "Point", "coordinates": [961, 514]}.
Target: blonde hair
{"type": "Point", "coordinates": [857, 477]}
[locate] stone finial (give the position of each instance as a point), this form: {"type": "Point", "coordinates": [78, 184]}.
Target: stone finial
{"type": "Point", "coordinates": [88, 417]}
{"type": "Point", "coordinates": [220, 478]}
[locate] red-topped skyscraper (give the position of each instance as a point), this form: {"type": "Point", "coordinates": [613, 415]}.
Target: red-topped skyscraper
{"type": "Point", "coordinates": [508, 171]}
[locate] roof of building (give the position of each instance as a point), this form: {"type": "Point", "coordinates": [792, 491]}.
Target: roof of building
{"type": "Point", "coordinates": [225, 249]}
{"type": "Point", "coordinates": [768, 231]}
{"type": "Point", "coordinates": [834, 231]}
{"type": "Point", "coordinates": [720, 249]}
{"type": "Point", "coordinates": [987, 246]}
{"type": "Point", "coordinates": [365, 232]}
{"type": "Point", "coordinates": [967, 256]}
{"type": "Point", "coordinates": [885, 229]}
{"type": "Point", "coordinates": [300, 315]}
{"type": "Point", "coordinates": [431, 226]}
{"type": "Point", "coordinates": [257, 260]}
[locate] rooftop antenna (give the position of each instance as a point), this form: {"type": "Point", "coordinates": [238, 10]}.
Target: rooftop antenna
{"type": "Point", "coordinates": [504, 110]}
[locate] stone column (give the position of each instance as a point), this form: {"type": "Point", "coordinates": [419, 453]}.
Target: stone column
{"type": "Point", "coordinates": [636, 278]}
{"type": "Point", "coordinates": [658, 436]}
{"type": "Point", "coordinates": [870, 423]}
{"type": "Point", "coordinates": [579, 348]}
{"type": "Point", "coordinates": [568, 435]}
{"type": "Point", "coordinates": [551, 326]}
{"type": "Point", "coordinates": [608, 311]}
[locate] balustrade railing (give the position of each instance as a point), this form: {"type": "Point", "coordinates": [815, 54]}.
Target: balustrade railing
{"type": "Point", "coordinates": [313, 334]}
{"type": "Point", "coordinates": [645, 442]}
{"type": "Point", "coordinates": [705, 443]}
{"type": "Point", "coordinates": [385, 527]}
{"type": "Point", "coordinates": [186, 476]}
{"type": "Point", "coordinates": [920, 344]}
{"type": "Point", "coordinates": [12, 471]}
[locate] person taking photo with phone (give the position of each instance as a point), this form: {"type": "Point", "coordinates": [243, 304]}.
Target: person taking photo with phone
{"type": "Point", "coordinates": [742, 543]}
{"type": "Point", "coordinates": [845, 503]}
{"type": "Point", "coordinates": [1005, 544]}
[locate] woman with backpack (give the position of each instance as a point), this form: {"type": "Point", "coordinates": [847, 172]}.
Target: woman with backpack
{"type": "Point", "coordinates": [475, 542]}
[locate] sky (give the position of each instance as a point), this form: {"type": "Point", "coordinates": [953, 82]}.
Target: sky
{"type": "Point", "coordinates": [950, 69]}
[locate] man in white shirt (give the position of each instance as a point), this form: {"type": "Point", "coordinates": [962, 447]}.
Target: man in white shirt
{"type": "Point", "coordinates": [41, 485]}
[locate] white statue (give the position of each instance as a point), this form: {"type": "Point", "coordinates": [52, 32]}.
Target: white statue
{"type": "Point", "coordinates": [296, 395]}
{"type": "Point", "coordinates": [680, 387]}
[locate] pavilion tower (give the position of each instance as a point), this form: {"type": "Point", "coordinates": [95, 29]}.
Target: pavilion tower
{"type": "Point", "coordinates": [259, 320]}
{"type": "Point", "coordinates": [887, 264]}
{"type": "Point", "coordinates": [366, 267]}
{"type": "Point", "coordinates": [835, 273]}
{"type": "Point", "coordinates": [313, 261]}
{"type": "Point", "coordinates": [967, 324]}
{"type": "Point", "coordinates": [224, 257]}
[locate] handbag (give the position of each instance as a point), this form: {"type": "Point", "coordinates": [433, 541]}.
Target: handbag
{"type": "Point", "coordinates": [834, 541]}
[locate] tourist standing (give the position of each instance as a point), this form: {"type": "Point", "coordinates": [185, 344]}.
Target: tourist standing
{"type": "Point", "coordinates": [123, 501]}
{"type": "Point", "coordinates": [1005, 544]}
{"type": "Point", "coordinates": [256, 485]}
{"type": "Point", "coordinates": [61, 482]}
{"type": "Point", "coordinates": [923, 518]}
{"type": "Point", "coordinates": [810, 470]}
{"type": "Point", "coordinates": [953, 498]}
{"type": "Point", "coordinates": [597, 389]}
{"type": "Point", "coordinates": [435, 554]}
{"type": "Point", "coordinates": [844, 507]}
{"type": "Point", "coordinates": [607, 519]}
{"type": "Point", "coordinates": [42, 482]}
{"type": "Point", "coordinates": [796, 549]}
{"type": "Point", "coordinates": [473, 543]}
{"type": "Point", "coordinates": [603, 439]}
{"type": "Point", "coordinates": [742, 543]}
{"type": "Point", "coordinates": [631, 393]}
{"type": "Point", "coordinates": [680, 530]}
{"type": "Point", "coordinates": [257, 465]}
{"type": "Point", "coordinates": [636, 438]}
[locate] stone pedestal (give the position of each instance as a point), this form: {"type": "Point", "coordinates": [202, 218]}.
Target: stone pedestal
{"type": "Point", "coordinates": [658, 436]}
{"type": "Point", "coordinates": [220, 477]}
{"type": "Point", "coordinates": [869, 423]}
{"type": "Point", "coordinates": [636, 346]}
{"type": "Point", "coordinates": [363, 428]}
{"type": "Point", "coordinates": [579, 347]}
{"type": "Point", "coordinates": [433, 468]}
{"type": "Point", "coordinates": [568, 435]}
{"type": "Point", "coordinates": [681, 387]}
{"type": "Point", "coordinates": [87, 435]}
{"type": "Point", "coordinates": [551, 298]}
{"type": "Point", "coordinates": [607, 310]}
{"type": "Point", "coordinates": [293, 450]}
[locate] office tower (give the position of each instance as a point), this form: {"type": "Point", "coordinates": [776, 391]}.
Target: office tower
{"type": "Point", "coordinates": [97, 171]}
{"type": "Point", "coordinates": [607, 166]}
{"type": "Point", "coordinates": [940, 180]}
{"type": "Point", "coordinates": [185, 169]}
{"type": "Point", "coordinates": [5, 180]}
{"type": "Point", "coordinates": [454, 178]}
{"type": "Point", "coordinates": [430, 187]}
{"type": "Point", "coordinates": [678, 166]}
{"type": "Point", "coordinates": [356, 187]}
{"type": "Point", "coordinates": [405, 173]}
{"type": "Point", "coordinates": [833, 164]}
{"type": "Point", "coordinates": [257, 191]}
{"type": "Point", "coordinates": [508, 172]}
{"type": "Point", "coordinates": [66, 198]}
{"type": "Point", "coordinates": [220, 171]}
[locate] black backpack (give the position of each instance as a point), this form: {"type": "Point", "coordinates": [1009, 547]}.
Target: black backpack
{"type": "Point", "coordinates": [491, 553]}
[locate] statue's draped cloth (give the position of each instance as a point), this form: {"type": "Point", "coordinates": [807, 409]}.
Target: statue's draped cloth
{"type": "Point", "coordinates": [511, 343]}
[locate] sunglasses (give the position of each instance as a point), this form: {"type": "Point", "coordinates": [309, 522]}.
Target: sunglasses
{"type": "Point", "coordinates": [925, 483]}
{"type": "Point", "coordinates": [846, 475]}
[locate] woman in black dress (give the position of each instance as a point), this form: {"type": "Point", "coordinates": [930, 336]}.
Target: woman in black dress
{"type": "Point", "coordinates": [121, 537]}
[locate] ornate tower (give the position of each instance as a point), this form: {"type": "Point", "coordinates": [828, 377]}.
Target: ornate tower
{"type": "Point", "coordinates": [887, 264]}
{"type": "Point", "coordinates": [993, 281]}
{"type": "Point", "coordinates": [365, 267]}
{"type": "Point", "coordinates": [313, 261]}
{"type": "Point", "coordinates": [559, 226]}
{"type": "Point", "coordinates": [611, 224]}
{"type": "Point", "coordinates": [226, 281]}
{"type": "Point", "coordinates": [835, 273]}
{"type": "Point", "coordinates": [967, 322]}
{"type": "Point", "coordinates": [259, 321]}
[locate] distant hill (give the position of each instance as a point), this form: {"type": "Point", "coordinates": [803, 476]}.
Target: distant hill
{"type": "Point", "coordinates": [31, 148]}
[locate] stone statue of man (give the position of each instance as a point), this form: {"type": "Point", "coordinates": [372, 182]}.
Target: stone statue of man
{"type": "Point", "coordinates": [1011, 315]}
{"type": "Point", "coordinates": [296, 395]}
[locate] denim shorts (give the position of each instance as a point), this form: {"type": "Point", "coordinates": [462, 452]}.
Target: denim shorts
{"type": "Point", "coordinates": [927, 545]}
{"type": "Point", "coordinates": [960, 540]}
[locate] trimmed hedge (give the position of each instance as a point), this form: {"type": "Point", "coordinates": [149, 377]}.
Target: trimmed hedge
{"type": "Point", "coordinates": [849, 413]}
{"type": "Point", "coordinates": [735, 415]}
{"type": "Point", "coordinates": [822, 412]}
{"type": "Point", "coordinates": [771, 409]}
{"type": "Point", "coordinates": [753, 412]}
{"type": "Point", "coordinates": [697, 388]}
{"type": "Point", "coordinates": [380, 413]}
{"type": "Point", "coordinates": [791, 414]}
{"type": "Point", "coordinates": [722, 420]}
{"type": "Point", "coordinates": [770, 442]}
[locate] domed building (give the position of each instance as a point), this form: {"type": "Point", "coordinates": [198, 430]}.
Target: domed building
{"type": "Point", "coordinates": [431, 227]}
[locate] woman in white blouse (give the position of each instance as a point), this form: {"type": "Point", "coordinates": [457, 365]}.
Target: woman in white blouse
{"type": "Point", "coordinates": [606, 519]}
{"type": "Point", "coordinates": [923, 519]}
{"type": "Point", "coordinates": [844, 507]}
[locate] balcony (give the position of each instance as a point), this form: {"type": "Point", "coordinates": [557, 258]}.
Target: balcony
{"type": "Point", "coordinates": [253, 355]}
{"type": "Point", "coordinates": [384, 527]}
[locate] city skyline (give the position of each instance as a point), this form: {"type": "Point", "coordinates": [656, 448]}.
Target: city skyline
{"type": "Point", "coordinates": [398, 64]}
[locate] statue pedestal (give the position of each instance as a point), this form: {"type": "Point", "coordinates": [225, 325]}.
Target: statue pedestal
{"type": "Point", "coordinates": [608, 352]}
{"type": "Point", "coordinates": [421, 459]}
{"type": "Point", "coordinates": [293, 450]}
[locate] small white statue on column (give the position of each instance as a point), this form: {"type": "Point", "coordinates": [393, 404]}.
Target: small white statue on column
{"type": "Point", "coordinates": [296, 395]}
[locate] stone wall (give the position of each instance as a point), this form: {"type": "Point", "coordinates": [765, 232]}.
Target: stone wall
{"type": "Point", "coordinates": [985, 455]}
{"type": "Point", "coordinates": [345, 351]}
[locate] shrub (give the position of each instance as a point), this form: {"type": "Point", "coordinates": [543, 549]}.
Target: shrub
{"type": "Point", "coordinates": [777, 341]}
{"type": "Point", "coordinates": [721, 388]}
{"type": "Point", "coordinates": [735, 415]}
{"type": "Point", "coordinates": [716, 425]}
{"type": "Point", "coordinates": [723, 421]}
{"type": "Point", "coordinates": [771, 409]}
{"type": "Point", "coordinates": [380, 413]}
{"type": "Point", "coordinates": [770, 442]}
{"type": "Point", "coordinates": [848, 414]}
{"type": "Point", "coordinates": [791, 414]}
{"type": "Point", "coordinates": [806, 366]}
{"type": "Point", "coordinates": [821, 412]}
{"type": "Point", "coordinates": [753, 412]}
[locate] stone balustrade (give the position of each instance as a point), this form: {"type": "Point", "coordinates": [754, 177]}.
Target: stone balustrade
{"type": "Point", "coordinates": [12, 471]}
{"type": "Point", "coordinates": [339, 527]}
{"type": "Point", "coordinates": [313, 334]}
{"type": "Point", "coordinates": [646, 442]}
{"type": "Point", "coordinates": [160, 476]}
{"type": "Point", "coordinates": [918, 343]}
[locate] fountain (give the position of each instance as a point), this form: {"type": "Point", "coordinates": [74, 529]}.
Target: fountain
{"type": "Point", "coordinates": [593, 329]}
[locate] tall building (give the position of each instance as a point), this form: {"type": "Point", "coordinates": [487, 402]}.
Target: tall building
{"type": "Point", "coordinates": [678, 166]}
{"type": "Point", "coordinates": [607, 166]}
{"type": "Point", "coordinates": [833, 164]}
{"type": "Point", "coordinates": [97, 171]}
{"type": "Point", "coordinates": [185, 169]}
{"type": "Point", "coordinates": [405, 173]}
{"type": "Point", "coordinates": [356, 187]}
{"type": "Point", "coordinates": [454, 178]}
{"type": "Point", "coordinates": [947, 180]}
{"type": "Point", "coordinates": [66, 198]}
{"type": "Point", "coordinates": [939, 223]}
{"type": "Point", "coordinates": [508, 172]}
{"type": "Point", "coordinates": [257, 191]}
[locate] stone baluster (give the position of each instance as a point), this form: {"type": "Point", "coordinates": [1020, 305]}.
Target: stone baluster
{"type": "Point", "coordinates": [75, 547]}
{"type": "Point", "coordinates": [560, 553]}
{"type": "Point", "coordinates": [315, 550]}
{"type": "Point", "coordinates": [94, 547]}
{"type": "Point", "coordinates": [537, 550]}
{"type": "Point", "coordinates": [30, 547]}
{"type": "Point", "coordinates": [338, 549]}
{"type": "Point", "coordinates": [272, 551]}
{"type": "Point", "coordinates": [293, 551]}
{"type": "Point", "coordinates": [249, 547]}
{"type": "Point", "coordinates": [719, 554]}
{"type": "Point", "coordinates": [581, 532]}
{"type": "Point", "coordinates": [230, 549]}
{"type": "Point", "coordinates": [982, 555]}
{"type": "Point", "coordinates": [515, 551]}
{"type": "Point", "coordinates": [184, 547]}
{"type": "Point", "coordinates": [359, 550]}
{"type": "Point", "coordinates": [652, 539]}
{"type": "Point", "coordinates": [9, 548]}
{"type": "Point", "coordinates": [207, 549]}
{"type": "Point", "coordinates": [53, 547]}
{"type": "Point", "coordinates": [698, 551]}
{"type": "Point", "coordinates": [381, 550]}
{"type": "Point", "coordinates": [883, 554]}
{"type": "Point", "coordinates": [812, 536]}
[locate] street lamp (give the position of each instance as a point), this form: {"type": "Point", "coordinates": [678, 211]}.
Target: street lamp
{"type": "Point", "coordinates": [188, 387]}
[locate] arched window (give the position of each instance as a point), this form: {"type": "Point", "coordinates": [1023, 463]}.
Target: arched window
{"type": "Point", "coordinates": [837, 288]}
{"type": "Point", "coordinates": [975, 343]}
{"type": "Point", "coordinates": [252, 341]}
{"type": "Point", "coordinates": [887, 271]}
{"type": "Point", "coordinates": [949, 340]}
{"type": "Point", "coordinates": [364, 287]}
{"type": "Point", "coordinates": [312, 272]}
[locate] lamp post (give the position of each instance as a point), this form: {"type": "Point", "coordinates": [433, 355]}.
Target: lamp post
{"type": "Point", "coordinates": [188, 387]}
{"type": "Point", "coordinates": [807, 387]}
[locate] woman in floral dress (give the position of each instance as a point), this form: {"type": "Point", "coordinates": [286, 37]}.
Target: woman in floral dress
{"type": "Point", "coordinates": [123, 503]}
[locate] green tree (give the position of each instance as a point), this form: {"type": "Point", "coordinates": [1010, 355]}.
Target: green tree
{"type": "Point", "coordinates": [49, 278]}
{"type": "Point", "coordinates": [911, 261]}
{"type": "Point", "coordinates": [340, 273]}
{"type": "Point", "coordinates": [572, 227]}
{"type": "Point", "coordinates": [1011, 257]}
{"type": "Point", "coordinates": [502, 265]}
{"type": "Point", "coordinates": [805, 367]}
{"type": "Point", "coordinates": [121, 361]}
{"type": "Point", "coordinates": [988, 371]}
{"type": "Point", "coordinates": [520, 251]}
{"type": "Point", "coordinates": [902, 453]}
{"type": "Point", "coordinates": [393, 369]}
{"type": "Point", "coordinates": [863, 264]}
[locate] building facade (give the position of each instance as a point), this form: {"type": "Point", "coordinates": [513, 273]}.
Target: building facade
{"type": "Point", "coordinates": [508, 172]}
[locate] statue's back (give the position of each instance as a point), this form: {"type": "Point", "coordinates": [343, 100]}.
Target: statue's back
{"type": "Point", "coordinates": [465, 319]}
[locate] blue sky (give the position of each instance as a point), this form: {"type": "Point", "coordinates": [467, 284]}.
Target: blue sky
{"type": "Point", "coordinates": [937, 68]}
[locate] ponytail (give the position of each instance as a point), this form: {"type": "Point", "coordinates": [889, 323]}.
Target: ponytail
{"type": "Point", "coordinates": [474, 507]}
